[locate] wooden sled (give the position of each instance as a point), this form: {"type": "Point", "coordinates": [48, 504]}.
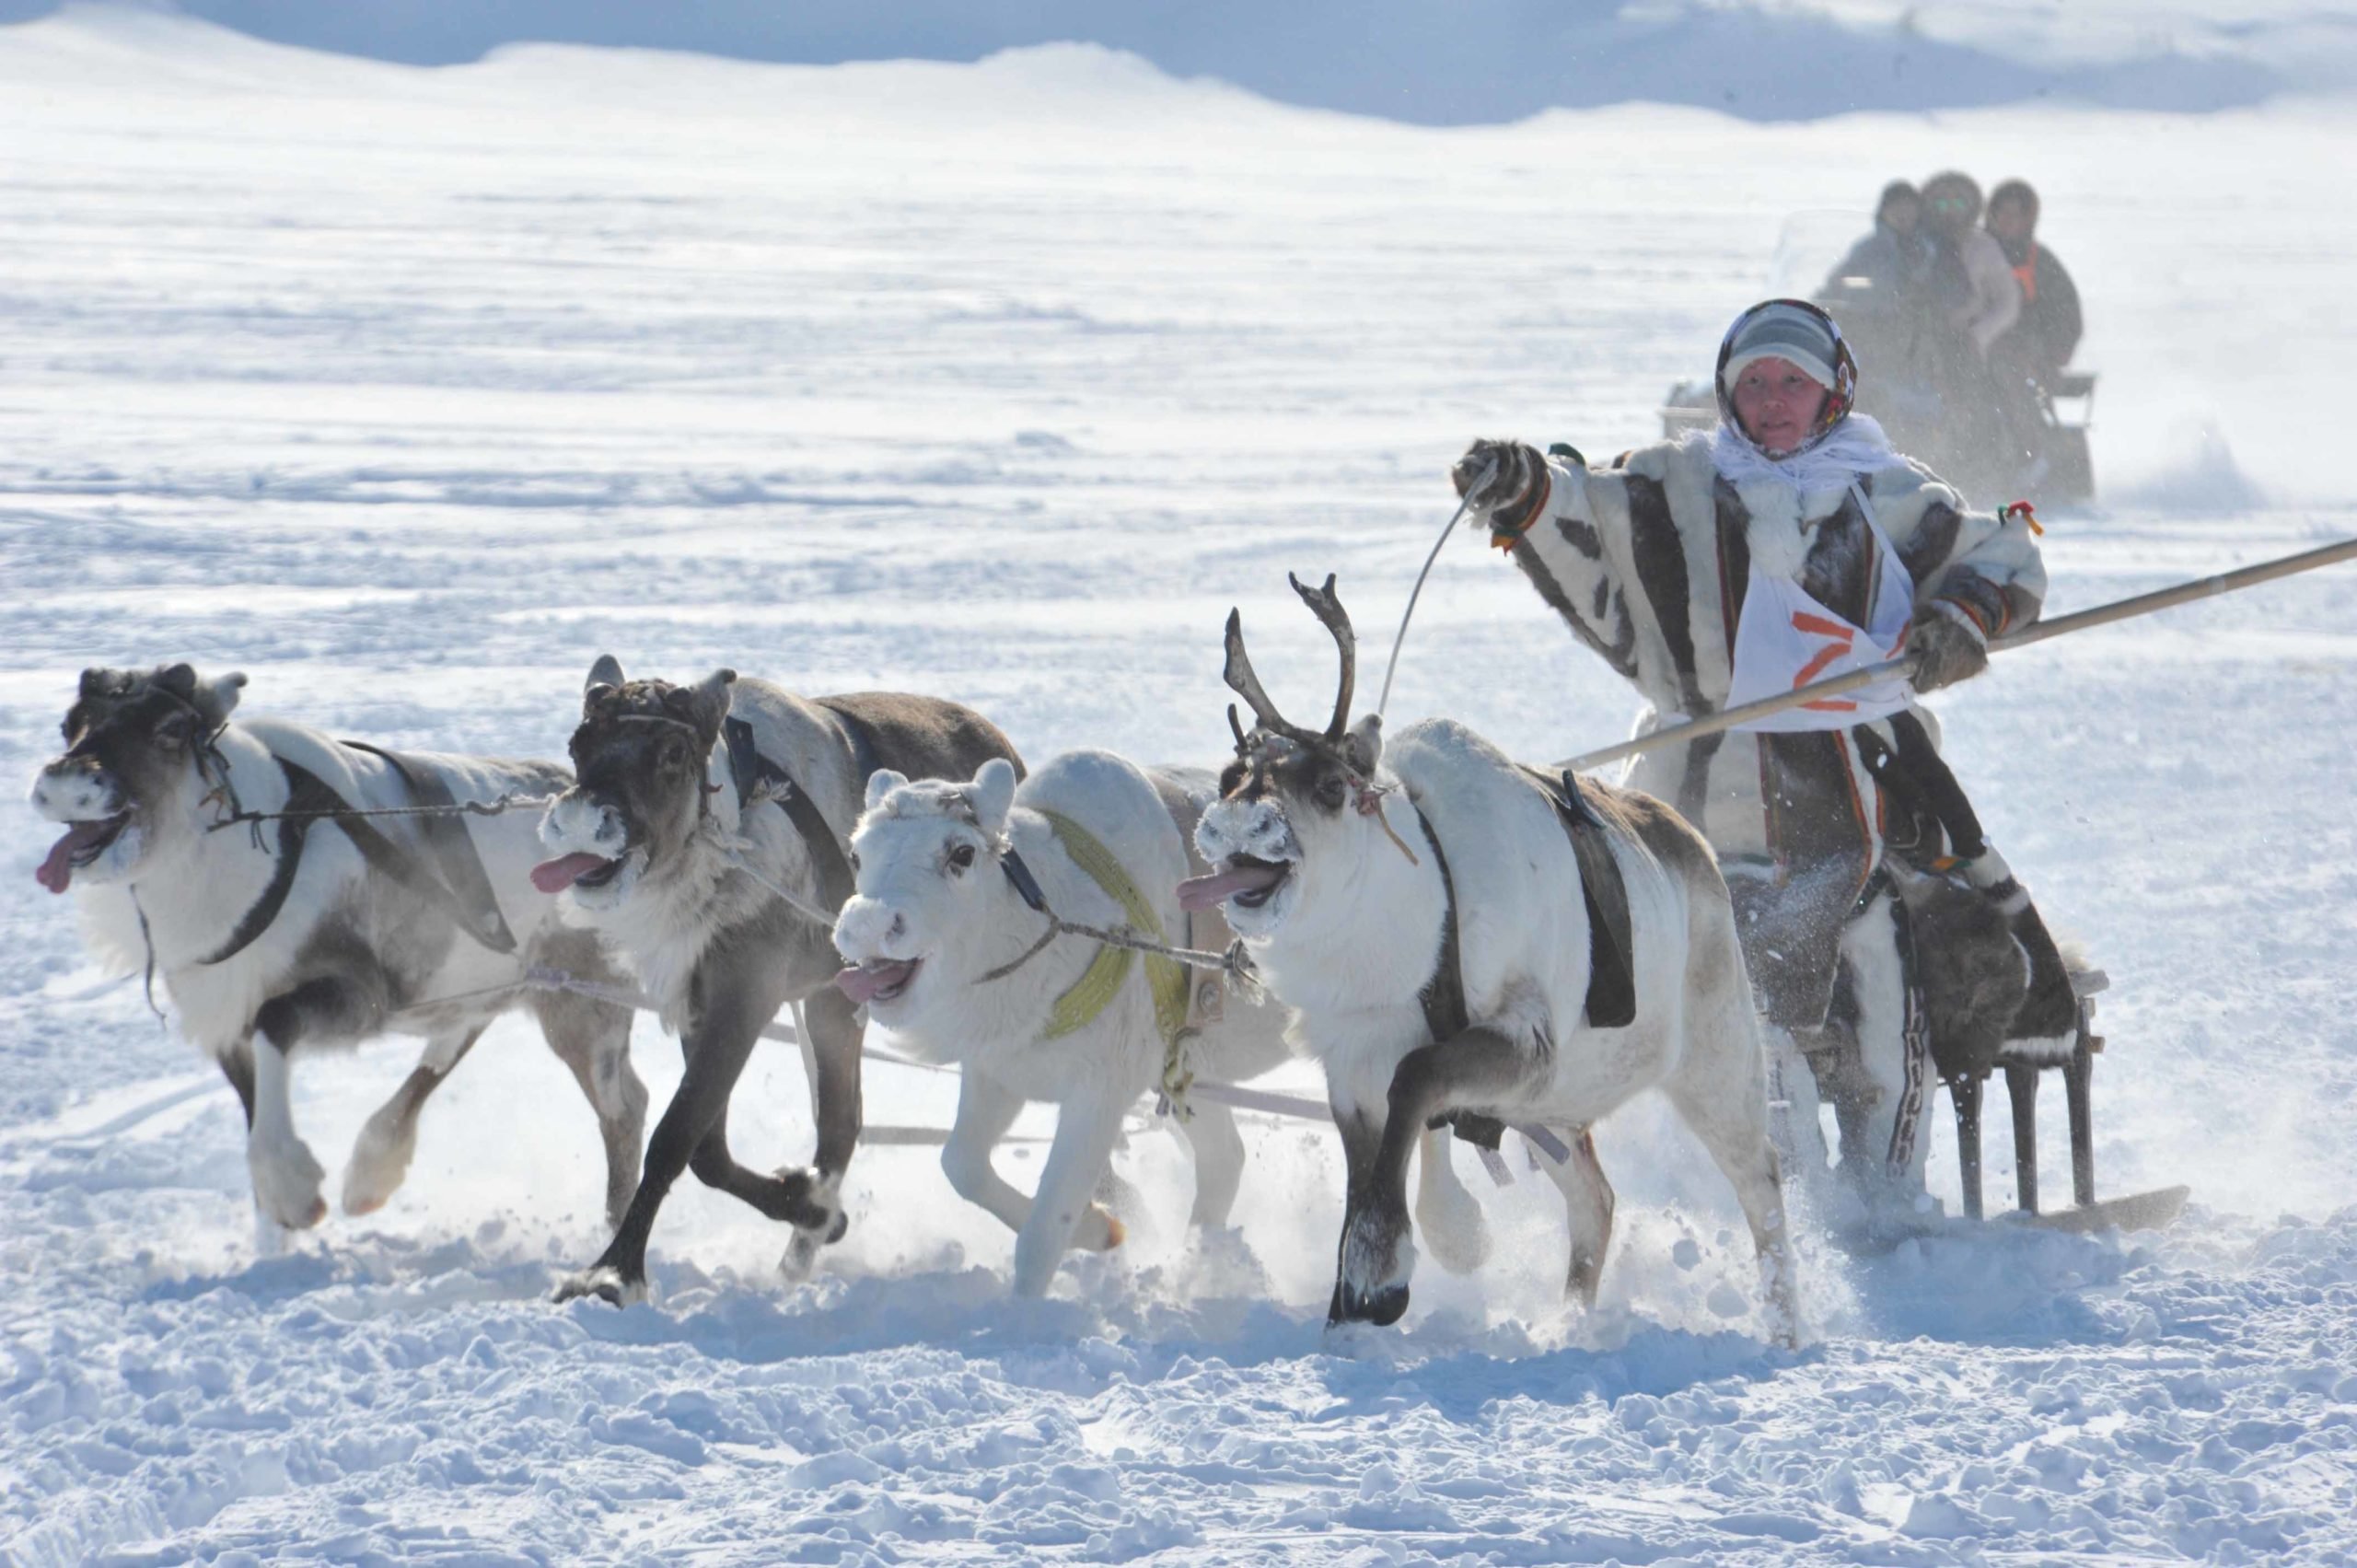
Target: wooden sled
{"type": "Point", "coordinates": [2142, 1211]}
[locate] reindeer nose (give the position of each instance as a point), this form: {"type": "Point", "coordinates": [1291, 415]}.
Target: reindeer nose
{"type": "Point", "coordinates": [868, 923]}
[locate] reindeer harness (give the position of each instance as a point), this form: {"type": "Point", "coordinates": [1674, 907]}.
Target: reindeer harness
{"type": "Point", "coordinates": [757, 779]}
{"type": "Point", "coordinates": [1089, 997]}
{"type": "Point", "coordinates": [1611, 1002]}
{"type": "Point", "coordinates": [455, 884]}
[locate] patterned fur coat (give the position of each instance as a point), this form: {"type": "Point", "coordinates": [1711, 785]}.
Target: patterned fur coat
{"type": "Point", "coordinates": [1647, 561]}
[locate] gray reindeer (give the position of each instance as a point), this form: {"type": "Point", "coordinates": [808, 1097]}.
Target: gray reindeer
{"type": "Point", "coordinates": [705, 842]}
{"type": "Point", "coordinates": [317, 926]}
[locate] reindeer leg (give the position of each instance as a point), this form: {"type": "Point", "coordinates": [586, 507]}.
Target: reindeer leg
{"type": "Point", "coordinates": [238, 1066]}
{"type": "Point", "coordinates": [1361, 1132]}
{"type": "Point", "coordinates": [380, 1155]}
{"type": "Point", "coordinates": [1446, 1211]}
{"type": "Point", "coordinates": [285, 1174]}
{"type": "Point", "coordinates": [986, 1109]}
{"type": "Point", "coordinates": [1728, 1111]}
{"type": "Point", "coordinates": [740, 992]}
{"type": "Point", "coordinates": [1478, 1068]}
{"type": "Point", "coordinates": [1219, 1162]}
{"type": "Point", "coordinates": [1062, 1214]}
{"type": "Point", "coordinates": [836, 1034]}
{"type": "Point", "coordinates": [1588, 1211]}
{"type": "Point", "coordinates": [592, 1038]}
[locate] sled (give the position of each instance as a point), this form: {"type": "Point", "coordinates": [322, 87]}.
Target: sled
{"type": "Point", "coordinates": [2142, 1211]}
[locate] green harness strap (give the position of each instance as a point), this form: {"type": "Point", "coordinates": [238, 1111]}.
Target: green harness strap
{"type": "Point", "coordinates": [1095, 990]}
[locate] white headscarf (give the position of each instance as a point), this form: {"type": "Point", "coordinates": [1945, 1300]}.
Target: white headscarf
{"type": "Point", "coordinates": [1856, 446]}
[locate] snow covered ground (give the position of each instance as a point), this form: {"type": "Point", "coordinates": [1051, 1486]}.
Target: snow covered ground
{"type": "Point", "coordinates": [408, 391]}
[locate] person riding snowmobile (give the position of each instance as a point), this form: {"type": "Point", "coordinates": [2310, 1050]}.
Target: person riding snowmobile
{"type": "Point", "coordinates": [1793, 545]}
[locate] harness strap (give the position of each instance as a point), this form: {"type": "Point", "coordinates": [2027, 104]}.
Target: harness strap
{"type": "Point", "coordinates": [1095, 990]}
{"type": "Point", "coordinates": [310, 798]}
{"type": "Point", "coordinates": [304, 792]}
{"type": "Point", "coordinates": [463, 887]}
{"type": "Point", "coordinates": [757, 778]}
{"type": "Point", "coordinates": [1612, 1001]}
{"type": "Point", "coordinates": [1443, 997]}
{"type": "Point", "coordinates": [1443, 1000]}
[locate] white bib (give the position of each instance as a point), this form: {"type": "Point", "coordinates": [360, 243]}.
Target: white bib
{"type": "Point", "coordinates": [1785, 639]}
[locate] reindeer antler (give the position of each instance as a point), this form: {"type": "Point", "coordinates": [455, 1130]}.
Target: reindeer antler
{"type": "Point", "coordinates": [1239, 673]}
{"type": "Point", "coordinates": [1331, 614]}
{"type": "Point", "coordinates": [1240, 676]}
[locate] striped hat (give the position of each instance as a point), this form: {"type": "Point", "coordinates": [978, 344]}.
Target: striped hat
{"type": "Point", "coordinates": [1786, 330]}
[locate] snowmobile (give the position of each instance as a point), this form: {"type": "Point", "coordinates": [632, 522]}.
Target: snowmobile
{"type": "Point", "coordinates": [1926, 386]}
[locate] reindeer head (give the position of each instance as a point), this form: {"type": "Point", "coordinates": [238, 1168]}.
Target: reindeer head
{"type": "Point", "coordinates": [638, 794]}
{"type": "Point", "coordinates": [930, 893]}
{"type": "Point", "coordinates": [138, 763]}
{"type": "Point", "coordinates": [1297, 806]}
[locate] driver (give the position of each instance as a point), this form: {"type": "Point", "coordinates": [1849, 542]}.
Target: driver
{"type": "Point", "coordinates": [1793, 545]}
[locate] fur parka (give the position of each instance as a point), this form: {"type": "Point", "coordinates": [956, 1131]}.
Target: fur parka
{"type": "Point", "coordinates": [1647, 561]}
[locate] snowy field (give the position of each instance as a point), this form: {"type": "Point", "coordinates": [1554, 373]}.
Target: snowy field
{"type": "Point", "coordinates": [408, 391]}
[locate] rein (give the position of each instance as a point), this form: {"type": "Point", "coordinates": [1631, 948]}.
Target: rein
{"type": "Point", "coordinates": [1235, 963]}
{"type": "Point", "coordinates": [505, 803]}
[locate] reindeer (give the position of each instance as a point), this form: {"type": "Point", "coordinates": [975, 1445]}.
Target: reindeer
{"type": "Point", "coordinates": [1463, 938]}
{"type": "Point", "coordinates": [948, 950]}
{"type": "Point", "coordinates": [705, 841]}
{"type": "Point", "coordinates": [322, 928]}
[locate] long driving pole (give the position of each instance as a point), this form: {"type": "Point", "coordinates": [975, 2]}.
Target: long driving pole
{"type": "Point", "coordinates": [2079, 621]}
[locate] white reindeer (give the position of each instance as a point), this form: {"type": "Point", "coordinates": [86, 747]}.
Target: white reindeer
{"type": "Point", "coordinates": [942, 907]}
{"type": "Point", "coordinates": [1344, 864]}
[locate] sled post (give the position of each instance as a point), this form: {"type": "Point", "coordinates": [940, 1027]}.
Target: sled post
{"type": "Point", "coordinates": [2021, 1082]}
{"type": "Point", "coordinates": [2078, 1081]}
{"type": "Point", "coordinates": [1964, 1094]}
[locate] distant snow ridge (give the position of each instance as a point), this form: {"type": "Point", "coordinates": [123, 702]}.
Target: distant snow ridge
{"type": "Point", "coordinates": [1467, 62]}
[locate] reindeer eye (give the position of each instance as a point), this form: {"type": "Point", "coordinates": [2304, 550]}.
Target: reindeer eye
{"type": "Point", "coordinates": [674, 754]}
{"type": "Point", "coordinates": [1329, 792]}
{"type": "Point", "coordinates": [961, 857]}
{"type": "Point", "coordinates": [172, 734]}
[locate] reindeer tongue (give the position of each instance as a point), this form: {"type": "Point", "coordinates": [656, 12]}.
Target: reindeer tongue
{"type": "Point", "coordinates": [1208, 892]}
{"type": "Point", "coordinates": [556, 875]}
{"type": "Point", "coordinates": [56, 872]}
{"type": "Point", "coordinates": [861, 981]}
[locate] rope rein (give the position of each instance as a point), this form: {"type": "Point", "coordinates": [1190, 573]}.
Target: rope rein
{"type": "Point", "coordinates": [1383, 700]}
{"type": "Point", "coordinates": [1235, 963]}
{"type": "Point", "coordinates": [504, 804]}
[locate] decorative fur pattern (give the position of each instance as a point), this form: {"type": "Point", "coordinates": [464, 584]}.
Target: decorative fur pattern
{"type": "Point", "coordinates": [351, 953]}
{"type": "Point", "coordinates": [1797, 820]}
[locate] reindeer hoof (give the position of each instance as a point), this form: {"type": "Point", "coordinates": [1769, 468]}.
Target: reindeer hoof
{"type": "Point", "coordinates": [605, 1282]}
{"type": "Point", "coordinates": [286, 1184]}
{"type": "Point", "coordinates": [1382, 1307]}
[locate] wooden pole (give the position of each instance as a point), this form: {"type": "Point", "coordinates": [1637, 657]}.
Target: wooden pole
{"type": "Point", "coordinates": [2079, 621]}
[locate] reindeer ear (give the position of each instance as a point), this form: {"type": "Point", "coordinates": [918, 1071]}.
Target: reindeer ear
{"type": "Point", "coordinates": [607, 671]}
{"type": "Point", "coordinates": [180, 680]}
{"type": "Point", "coordinates": [94, 683]}
{"type": "Point", "coordinates": [881, 783]}
{"type": "Point", "coordinates": [993, 796]}
{"type": "Point", "coordinates": [1363, 744]}
{"type": "Point", "coordinates": [708, 704]}
{"type": "Point", "coordinates": [217, 698]}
